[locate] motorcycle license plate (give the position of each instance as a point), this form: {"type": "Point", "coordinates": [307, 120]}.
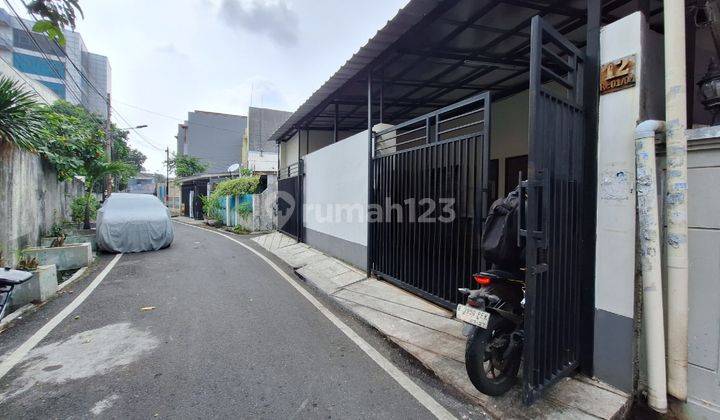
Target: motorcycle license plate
{"type": "Point", "coordinates": [473, 316]}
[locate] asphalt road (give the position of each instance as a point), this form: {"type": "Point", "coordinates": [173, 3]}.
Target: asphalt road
{"type": "Point", "coordinates": [205, 329]}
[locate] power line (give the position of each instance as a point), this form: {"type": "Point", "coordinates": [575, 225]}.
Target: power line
{"type": "Point", "coordinates": [22, 79]}
{"type": "Point", "coordinates": [101, 95]}
{"type": "Point", "coordinates": [42, 51]}
{"type": "Point", "coordinates": [132, 127]}
{"type": "Point", "coordinates": [170, 117]}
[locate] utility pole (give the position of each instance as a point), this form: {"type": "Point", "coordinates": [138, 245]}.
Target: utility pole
{"type": "Point", "coordinates": [108, 148]}
{"type": "Point", "coordinates": [167, 176]}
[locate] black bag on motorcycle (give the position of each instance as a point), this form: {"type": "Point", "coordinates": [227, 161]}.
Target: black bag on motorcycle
{"type": "Point", "coordinates": [499, 239]}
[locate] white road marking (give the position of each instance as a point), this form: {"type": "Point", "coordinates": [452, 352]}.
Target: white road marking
{"type": "Point", "coordinates": [411, 387]}
{"type": "Point", "coordinates": [16, 356]}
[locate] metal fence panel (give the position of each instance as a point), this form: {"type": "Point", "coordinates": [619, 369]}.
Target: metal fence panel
{"type": "Point", "coordinates": [429, 199]}
{"type": "Point", "coordinates": [289, 201]}
{"type": "Point", "coordinates": [554, 211]}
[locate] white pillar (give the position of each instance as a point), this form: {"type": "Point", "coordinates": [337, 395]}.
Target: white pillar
{"type": "Point", "coordinates": [614, 341]}
{"type": "Point", "coordinates": [676, 236]}
{"type": "Point", "coordinates": [649, 254]}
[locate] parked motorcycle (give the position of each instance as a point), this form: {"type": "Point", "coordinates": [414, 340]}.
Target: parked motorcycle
{"type": "Point", "coordinates": [494, 317]}
{"type": "Point", "coordinates": [9, 279]}
{"type": "Point", "coordinates": [494, 313]}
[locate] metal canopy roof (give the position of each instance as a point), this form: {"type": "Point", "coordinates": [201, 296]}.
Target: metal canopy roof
{"type": "Point", "coordinates": [437, 52]}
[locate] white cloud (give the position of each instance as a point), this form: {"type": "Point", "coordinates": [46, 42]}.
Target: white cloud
{"type": "Point", "coordinates": [175, 56]}
{"type": "Point", "coordinates": [274, 19]}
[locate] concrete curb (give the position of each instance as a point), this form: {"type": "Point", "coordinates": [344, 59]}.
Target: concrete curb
{"type": "Point", "coordinates": [9, 318]}
{"type": "Point", "coordinates": [31, 307]}
{"type": "Point", "coordinates": [78, 274]}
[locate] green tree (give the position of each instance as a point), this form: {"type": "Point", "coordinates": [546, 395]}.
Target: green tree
{"type": "Point", "coordinates": [20, 121]}
{"type": "Point", "coordinates": [73, 140]}
{"type": "Point", "coordinates": [123, 152]}
{"type": "Point", "coordinates": [185, 165]}
{"type": "Point", "coordinates": [70, 137]}
{"type": "Point", "coordinates": [97, 169]}
{"type": "Point", "coordinates": [54, 16]}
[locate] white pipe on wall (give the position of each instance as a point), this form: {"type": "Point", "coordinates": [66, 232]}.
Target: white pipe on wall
{"type": "Point", "coordinates": [676, 237]}
{"type": "Point", "coordinates": [650, 251]}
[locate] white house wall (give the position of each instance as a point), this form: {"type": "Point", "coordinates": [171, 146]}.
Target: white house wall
{"type": "Point", "coordinates": [508, 132]}
{"type": "Point", "coordinates": [310, 141]}
{"type": "Point", "coordinates": [289, 152]}
{"type": "Point", "coordinates": [335, 198]}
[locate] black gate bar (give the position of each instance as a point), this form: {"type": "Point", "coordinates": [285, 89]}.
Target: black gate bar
{"type": "Point", "coordinates": [445, 169]}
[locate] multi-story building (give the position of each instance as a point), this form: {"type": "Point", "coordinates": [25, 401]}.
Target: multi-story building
{"type": "Point", "coordinates": [214, 138]}
{"type": "Point", "coordinates": [58, 68]}
{"type": "Point", "coordinates": [259, 154]}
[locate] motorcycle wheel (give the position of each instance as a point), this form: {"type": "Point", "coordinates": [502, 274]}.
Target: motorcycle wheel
{"type": "Point", "coordinates": [488, 371]}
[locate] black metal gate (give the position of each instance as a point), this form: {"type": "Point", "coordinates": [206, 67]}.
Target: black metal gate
{"type": "Point", "coordinates": [554, 210]}
{"type": "Point", "coordinates": [429, 198]}
{"type": "Point", "coordinates": [289, 200]}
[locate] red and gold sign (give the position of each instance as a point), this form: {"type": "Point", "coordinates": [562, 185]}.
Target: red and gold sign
{"type": "Point", "coordinates": [617, 75]}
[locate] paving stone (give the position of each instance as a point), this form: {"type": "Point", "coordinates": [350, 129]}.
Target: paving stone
{"type": "Point", "coordinates": [384, 290]}
{"type": "Point", "coordinates": [329, 267]}
{"type": "Point", "coordinates": [275, 241]}
{"type": "Point", "coordinates": [301, 259]}
{"type": "Point", "coordinates": [318, 280]}
{"type": "Point", "coordinates": [599, 401]}
{"type": "Point", "coordinates": [423, 337]}
{"type": "Point", "coordinates": [388, 306]}
{"type": "Point", "coordinates": [260, 240]}
{"type": "Point", "coordinates": [286, 241]}
{"type": "Point", "coordinates": [291, 250]}
{"type": "Point", "coordinates": [349, 277]}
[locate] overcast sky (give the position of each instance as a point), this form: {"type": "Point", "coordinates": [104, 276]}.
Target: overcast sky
{"type": "Point", "coordinates": [175, 56]}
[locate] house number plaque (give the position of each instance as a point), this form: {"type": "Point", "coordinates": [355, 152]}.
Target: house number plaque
{"type": "Point", "coordinates": [617, 75]}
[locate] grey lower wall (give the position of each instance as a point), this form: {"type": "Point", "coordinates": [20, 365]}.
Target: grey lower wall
{"type": "Point", "coordinates": [350, 252]}
{"type": "Point", "coordinates": [31, 199]}
{"type": "Point", "coordinates": [613, 354]}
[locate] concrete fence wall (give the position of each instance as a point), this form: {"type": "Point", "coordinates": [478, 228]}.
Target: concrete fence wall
{"type": "Point", "coordinates": [31, 199]}
{"type": "Point", "coordinates": [263, 217]}
{"type": "Point", "coordinates": [704, 282]}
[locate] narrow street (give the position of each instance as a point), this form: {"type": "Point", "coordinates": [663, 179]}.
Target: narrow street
{"type": "Point", "coordinates": [204, 328]}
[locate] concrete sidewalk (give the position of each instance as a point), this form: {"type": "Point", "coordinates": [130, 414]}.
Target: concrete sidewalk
{"type": "Point", "coordinates": [434, 337]}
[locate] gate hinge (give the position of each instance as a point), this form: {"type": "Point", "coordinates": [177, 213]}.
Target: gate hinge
{"type": "Point", "coordinates": [538, 269]}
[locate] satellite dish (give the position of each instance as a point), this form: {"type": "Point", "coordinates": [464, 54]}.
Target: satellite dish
{"type": "Point", "coordinates": [234, 167]}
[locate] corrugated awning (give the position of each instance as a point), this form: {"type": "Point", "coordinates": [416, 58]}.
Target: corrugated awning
{"type": "Point", "coordinates": [437, 52]}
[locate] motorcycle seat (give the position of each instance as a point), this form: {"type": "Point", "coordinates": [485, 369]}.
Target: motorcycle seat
{"type": "Point", "coordinates": [506, 274]}
{"type": "Point", "coordinates": [9, 277]}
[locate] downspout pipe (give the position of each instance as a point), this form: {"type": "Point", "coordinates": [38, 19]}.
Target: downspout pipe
{"type": "Point", "coordinates": [649, 254]}
{"type": "Point", "coordinates": [676, 216]}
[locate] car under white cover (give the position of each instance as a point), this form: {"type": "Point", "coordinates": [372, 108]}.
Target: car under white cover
{"type": "Point", "coordinates": [133, 223]}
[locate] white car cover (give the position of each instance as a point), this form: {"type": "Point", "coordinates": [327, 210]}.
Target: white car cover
{"type": "Point", "coordinates": [133, 223]}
